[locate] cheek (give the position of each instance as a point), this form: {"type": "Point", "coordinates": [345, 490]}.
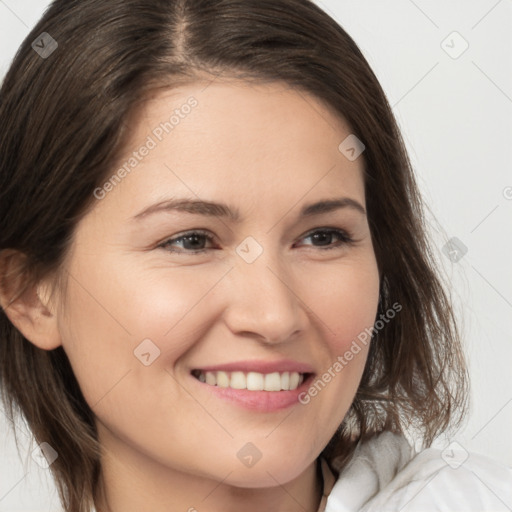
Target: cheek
{"type": "Point", "coordinates": [348, 306]}
{"type": "Point", "coordinates": [112, 310]}
{"type": "Point", "coordinates": [347, 310]}
{"type": "Point", "coordinates": [135, 302]}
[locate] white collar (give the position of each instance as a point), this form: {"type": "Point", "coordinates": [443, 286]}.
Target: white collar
{"type": "Point", "coordinates": [373, 465]}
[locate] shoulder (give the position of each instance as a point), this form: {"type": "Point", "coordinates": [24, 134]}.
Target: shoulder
{"type": "Point", "coordinates": [385, 474]}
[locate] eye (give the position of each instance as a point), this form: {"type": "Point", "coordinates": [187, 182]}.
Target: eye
{"type": "Point", "coordinates": [193, 242]}
{"type": "Point", "coordinates": [325, 235]}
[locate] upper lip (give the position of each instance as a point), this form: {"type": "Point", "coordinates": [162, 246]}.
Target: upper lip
{"type": "Point", "coordinates": [260, 366]}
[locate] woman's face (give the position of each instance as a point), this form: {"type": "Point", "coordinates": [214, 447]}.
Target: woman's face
{"type": "Point", "coordinates": [149, 313]}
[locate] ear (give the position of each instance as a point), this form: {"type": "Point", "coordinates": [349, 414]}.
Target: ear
{"type": "Point", "coordinates": [29, 309]}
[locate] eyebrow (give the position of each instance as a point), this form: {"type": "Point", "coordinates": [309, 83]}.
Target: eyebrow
{"type": "Point", "coordinates": [213, 209]}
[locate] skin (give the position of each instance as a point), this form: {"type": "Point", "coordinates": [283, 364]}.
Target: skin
{"type": "Point", "coordinates": [169, 444]}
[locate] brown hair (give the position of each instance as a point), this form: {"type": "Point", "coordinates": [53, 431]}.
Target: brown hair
{"type": "Point", "coordinates": [63, 122]}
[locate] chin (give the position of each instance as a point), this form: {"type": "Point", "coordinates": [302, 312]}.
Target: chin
{"type": "Point", "coordinates": [275, 470]}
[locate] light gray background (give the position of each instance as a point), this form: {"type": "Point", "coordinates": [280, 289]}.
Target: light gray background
{"type": "Point", "coordinates": [456, 117]}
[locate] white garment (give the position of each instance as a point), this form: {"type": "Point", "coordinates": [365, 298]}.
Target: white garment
{"type": "Point", "coordinates": [385, 474]}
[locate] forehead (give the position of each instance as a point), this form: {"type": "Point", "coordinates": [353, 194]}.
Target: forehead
{"type": "Point", "coordinates": [235, 112]}
{"type": "Point", "coordinates": [253, 142]}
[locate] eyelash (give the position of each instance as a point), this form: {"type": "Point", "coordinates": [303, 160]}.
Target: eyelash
{"type": "Point", "coordinates": [345, 238]}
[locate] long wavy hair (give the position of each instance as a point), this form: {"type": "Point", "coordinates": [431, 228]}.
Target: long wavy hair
{"type": "Point", "coordinates": [63, 124]}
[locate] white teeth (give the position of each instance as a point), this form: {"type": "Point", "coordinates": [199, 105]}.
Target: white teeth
{"type": "Point", "coordinates": [222, 379]}
{"type": "Point", "coordinates": [285, 381]}
{"type": "Point", "coordinates": [253, 381]}
{"type": "Point", "coordinates": [238, 381]}
{"type": "Point", "coordinates": [272, 382]}
{"type": "Point", "coordinates": [294, 380]}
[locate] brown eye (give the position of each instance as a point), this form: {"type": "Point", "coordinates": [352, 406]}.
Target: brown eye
{"type": "Point", "coordinates": [192, 242]}
{"type": "Point", "coordinates": [324, 236]}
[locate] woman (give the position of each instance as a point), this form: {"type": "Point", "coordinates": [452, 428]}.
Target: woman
{"type": "Point", "coordinates": [216, 285]}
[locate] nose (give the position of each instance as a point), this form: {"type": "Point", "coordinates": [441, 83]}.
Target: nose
{"type": "Point", "coordinates": [264, 303]}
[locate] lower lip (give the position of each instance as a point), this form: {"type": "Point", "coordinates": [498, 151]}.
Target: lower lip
{"type": "Point", "coordinates": [262, 401]}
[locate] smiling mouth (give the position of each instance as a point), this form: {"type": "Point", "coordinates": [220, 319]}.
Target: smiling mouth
{"type": "Point", "coordinates": [252, 381]}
